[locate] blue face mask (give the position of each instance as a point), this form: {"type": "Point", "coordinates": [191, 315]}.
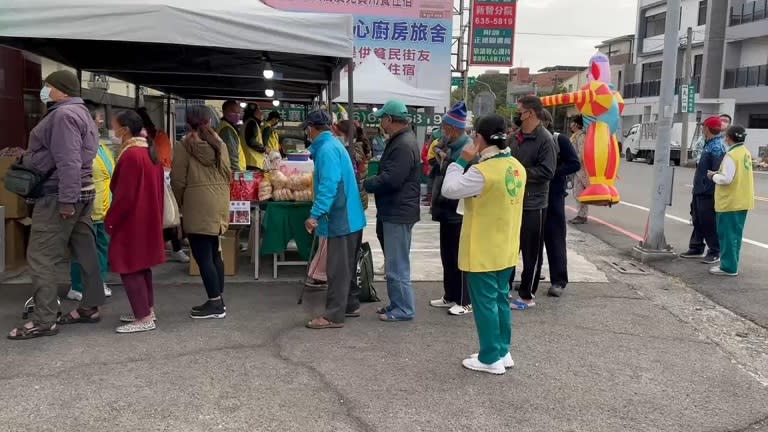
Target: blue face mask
{"type": "Point", "coordinates": [45, 94]}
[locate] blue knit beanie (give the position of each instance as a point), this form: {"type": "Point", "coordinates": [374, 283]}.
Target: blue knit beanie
{"type": "Point", "coordinates": [457, 116]}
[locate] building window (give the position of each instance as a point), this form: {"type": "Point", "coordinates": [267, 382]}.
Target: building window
{"type": "Point", "coordinates": [651, 72]}
{"type": "Point", "coordinates": [758, 121]}
{"type": "Point", "coordinates": [698, 61]}
{"type": "Point", "coordinates": [702, 12]}
{"type": "Point", "coordinates": [654, 24]}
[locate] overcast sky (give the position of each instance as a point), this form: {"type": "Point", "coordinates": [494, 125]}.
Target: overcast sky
{"type": "Point", "coordinates": [602, 19]}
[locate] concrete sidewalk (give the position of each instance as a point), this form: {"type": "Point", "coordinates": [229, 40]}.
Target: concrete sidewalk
{"type": "Point", "coordinates": [634, 353]}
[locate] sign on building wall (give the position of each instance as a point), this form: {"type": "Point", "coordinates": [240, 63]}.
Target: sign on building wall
{"type": "Point", "coordinates": [492, 32]}
{"type": "Point", "coordinates": [412, 38]}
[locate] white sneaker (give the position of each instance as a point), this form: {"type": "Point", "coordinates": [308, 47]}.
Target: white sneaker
{"type": "Point", "coordinates": [180, 256]}
{"type": "Point", "coordinates": [380, 271]}
{"type": "Point", "coordinates": [107, 291]}
{"type": "Point", "coordinates": [136, 327]}
{"type": "Point", "coordinates": [441, 303]}
{"type": "Point", "coordinates": [460, 310]}
{"type": "Point", "coordinates": [497, 368]}
{"type": "Point", "coordinates": [75, 295]}
{"type": "Point", "coordinates": [506, 360]}
{"type": "Point", "coordinates": [717, 271]}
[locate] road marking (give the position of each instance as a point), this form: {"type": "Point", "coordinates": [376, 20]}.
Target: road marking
{"type": "Point", "coordinates": [758, 198]}
{"type": "Point", "coordinates": [618, 229]}
{"type": "Point", "coordinates": [687, 222]}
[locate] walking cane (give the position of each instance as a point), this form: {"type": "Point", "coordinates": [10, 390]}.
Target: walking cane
{"type": "Point", "coordinates": [312, 250]}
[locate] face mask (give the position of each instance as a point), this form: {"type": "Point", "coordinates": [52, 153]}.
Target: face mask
{"type": "Point", "coordinates": [45, 94]}
{"type": "Point", "coordinates": [233, 118]}
{"type": "Point", "coordinates": [517, 120]}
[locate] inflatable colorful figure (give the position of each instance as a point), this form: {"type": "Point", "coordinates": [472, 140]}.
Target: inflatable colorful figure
{"type": "Point", "coordinates": [601, 107]}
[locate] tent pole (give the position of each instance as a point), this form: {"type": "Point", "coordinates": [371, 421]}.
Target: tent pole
{"type": "Point", "coordinates": [328, 95]}
{"type": "Point", "coordinates": [136, 96]}
{"type": "Point", "coordinates": [168, 117]}
{"type": "Point", "coordinates": [350, 94]}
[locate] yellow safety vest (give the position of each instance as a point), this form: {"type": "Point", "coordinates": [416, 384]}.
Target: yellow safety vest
{"type": "Point", "coordinates": [740, 194]}
{"type": "Point", "coordinates": [241, 155]}
{"type": "Point", "coordinates": [490, 233]}
{"type": "Point", "coordinates": [103, 167]}
{"type": "Point", "coordinates": [273, 141]}
{"type": "Point", "coordinates": [252, 157]}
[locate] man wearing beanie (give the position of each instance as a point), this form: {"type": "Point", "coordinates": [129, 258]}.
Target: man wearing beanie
{"type": "Point", "coordinates": [61, 148]}
{"type": "Point", "coordinates": [703, 205]}
{"type": "Point", "coordinates": [456, 293]}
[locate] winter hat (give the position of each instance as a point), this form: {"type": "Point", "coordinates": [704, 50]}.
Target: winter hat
{"type": "Point", "coordinates": [457, 116]}
{"type": "Point", "coordinates": [714, 124]}
{"type": "Point", "coordinates": [65, 82]}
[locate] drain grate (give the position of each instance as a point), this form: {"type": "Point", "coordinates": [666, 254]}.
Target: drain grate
{"type": "Point", "coordinates": [627, 267]}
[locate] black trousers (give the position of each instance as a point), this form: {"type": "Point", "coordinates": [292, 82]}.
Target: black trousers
{"type": "Point", "coordinates": [172, 235]}
{"type": "Point", "coordinates": [531, 245]}
{"type": "Point", "coordinates": [704, 225]}
{"type": "Point", "coordinates": [554, 241]}
{"type": "Point", "coordinates": [343, 293]}
{"type": "Point", "coordinates": [205, 250]}
{"type": "Point", "coordinates": [454, 280]}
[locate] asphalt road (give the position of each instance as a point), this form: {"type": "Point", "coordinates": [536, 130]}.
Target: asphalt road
{"type": "Point", "coordinates": [623, 226]}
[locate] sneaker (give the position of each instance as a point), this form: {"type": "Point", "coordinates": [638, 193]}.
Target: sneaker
{"type": "Point", "coordinates": [107, 291]}
{"type": "Point", "coordinates": [75, 295]}
{"type": "Point", "coordinates": [314, 283]}
{"type": "Point", "coordinates": [692, 254]}
{"type": "Point", "coordinates": [129, 318]}
{"type": "Point", "coordinates": [441, 303]}
{"type": "Point", "coordinates": [717, 271]}
{"type": "Point", "coordinates": [204, 306]}
{"type": "Point", "coordinates": [212, 309]}
{"type": "Point", "coordinates": [136, 327]}
{"type": "Point", "coordinates": [497, 368]}
{"type": "Point", "coordinates": [578, 220]}
{"type": "Point", "coordinates": [460, 310]}
{"type": "Point", "coordinates": [380, 271]}
{"type": "Point", "coordinates": [507, 360]}
{"type": "Point", "coordinates": [555, 291]}
{"type": "Point", "coordinates": [711, 259]}
{"type": "Point", "coordinates": [180, 256]}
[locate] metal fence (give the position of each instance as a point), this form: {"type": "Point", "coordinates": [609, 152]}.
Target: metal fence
{"type": "Point", "coordinates": [749, 12]}
{"type": "Point", "coordinates": [748, 76]}
{"type": "Point", "coordinates": [653, 88]}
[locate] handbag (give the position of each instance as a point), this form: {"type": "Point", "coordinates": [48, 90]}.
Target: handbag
{"type": "Point", "coordinates": [26, 182]}
{"type": "Point", "coordinates": [171, 216]}
{"type": "Point", "coordinates": [364, 274]}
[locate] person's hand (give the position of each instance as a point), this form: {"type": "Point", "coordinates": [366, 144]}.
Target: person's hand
{"type": "Point", "coordinates": [66, 210]}
{"type": "Point", "coordinates": [310, 225]}
{"type": "Point", "coordinates": [711, 174]}
{"type": "Point", "coordinates": [469, 153]}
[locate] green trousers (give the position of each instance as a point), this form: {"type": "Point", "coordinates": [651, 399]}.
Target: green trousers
{"type": "Point", "coordinates": [102, 248]}
{"type": "Point", "coordinates": [730, 229]}
{"type": "Point", "coordinates": [489, 292]}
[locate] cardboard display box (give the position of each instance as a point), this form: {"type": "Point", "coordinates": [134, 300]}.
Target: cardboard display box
{"type": "Point", "coordinates": [15, 206]}
{"type": "Point", "coordinates": [230, 252]}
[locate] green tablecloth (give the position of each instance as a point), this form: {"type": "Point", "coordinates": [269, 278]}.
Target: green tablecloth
{"type": "Point", "coordinates": [284, 221]}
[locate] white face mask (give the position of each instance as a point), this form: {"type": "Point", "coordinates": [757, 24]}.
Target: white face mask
{"type": "Point", "coordinates": [45, 94]}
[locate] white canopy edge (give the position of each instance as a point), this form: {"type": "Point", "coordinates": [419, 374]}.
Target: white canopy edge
{"type": "Point", "coordinates": [238, 24]}
{"type": "Point", "coordinates": [374, 84]}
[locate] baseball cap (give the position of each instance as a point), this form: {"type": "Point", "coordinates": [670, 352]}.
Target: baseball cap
{"type": "Point", "coordinates": [393, 108]}
{"type": "Point", "coordinates": [713, 123]}
{"type": "Point", "coordinates": [317, 118]}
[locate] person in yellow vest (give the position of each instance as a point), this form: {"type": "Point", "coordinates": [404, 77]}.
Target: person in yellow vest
{"type": "Point", "coordinates": [269, 136]}
{"type": "Point", "coordinates": [254, 150]}
{"type": "Point", "coordinates": [103, 166]}
{"type": "Point", "coordinates": [229, 133]}
{"type": "Point", "coordinates": [493, 191]}
{"type": "Point", "coordinates": [734, 197]}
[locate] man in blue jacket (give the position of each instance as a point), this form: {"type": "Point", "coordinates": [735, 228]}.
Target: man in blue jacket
{"type": "Point", "coordinates": [337, 214]}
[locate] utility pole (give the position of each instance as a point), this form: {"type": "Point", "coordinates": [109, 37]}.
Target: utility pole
{"type": "Point", "coordinates": [465, 5]}
{"type": "Point", "coordinates": [654, 244]}
{"type": "Point", "coordinates": [687, 80]}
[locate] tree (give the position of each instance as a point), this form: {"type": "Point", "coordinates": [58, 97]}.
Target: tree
{"type": "Point", "coordinates": [497, 83]}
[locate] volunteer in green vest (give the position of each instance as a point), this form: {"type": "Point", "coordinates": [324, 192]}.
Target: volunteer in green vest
{"type": "Point", "coordinates": [734, 197]}
{"type": "Point", "coordinates": [229, 133]}
{"type": "Point", "coordinates": [492, 193]}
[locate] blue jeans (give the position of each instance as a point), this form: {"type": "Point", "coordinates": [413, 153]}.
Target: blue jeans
{"type": "Point", "coordinates": [397, 257]}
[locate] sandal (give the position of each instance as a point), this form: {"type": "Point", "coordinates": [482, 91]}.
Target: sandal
{"type": "Point", "coordinates": [353, 314]}
{"type": "Point", "coordinates": [388, 317]}
{"type": "Point", "coordinates": [84, 316]}
{"type": "Point", "coordinates": [24, 333]}
{"type": "Point", "coordinates": [520, 304]}
{"type": "Point", "coordinates": [384, 310]}
{"type": "Point", "coordinates": [322, 323]}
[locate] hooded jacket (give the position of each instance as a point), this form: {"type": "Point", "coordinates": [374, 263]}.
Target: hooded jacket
{"type": "Point", "coordinates": [538, 154]}
{"type": "Point", "coordinates": [200, 182]}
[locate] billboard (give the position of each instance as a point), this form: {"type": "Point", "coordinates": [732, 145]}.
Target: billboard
{"type": "Point", "coordinates": [492, 32]}
{"type": "Point", "coordinates": [412, 38]}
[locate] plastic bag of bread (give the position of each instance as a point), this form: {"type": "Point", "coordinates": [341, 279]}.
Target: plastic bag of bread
{"type": "Point", "coordinates": [282, 194]}
{"type": "Point", "coordinates": [278, 180]}
{"type": "Point", "coordinates": [303, 195]}
{"type": "Point", "coordinates": [265, 190]}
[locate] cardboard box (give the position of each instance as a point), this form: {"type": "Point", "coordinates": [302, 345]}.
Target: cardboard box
{"type": "Point", "coordinates": [230, 253]}
{"type": "Point", "coordinates": [16, 235]}
{"type": "Point", "coordinates": [15, 206]}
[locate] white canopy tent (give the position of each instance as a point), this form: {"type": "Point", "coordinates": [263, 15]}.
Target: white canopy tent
{"type": "Point", "coordinates": [190, 48]}
{"type": "Point", "coordinates": [374, 84]}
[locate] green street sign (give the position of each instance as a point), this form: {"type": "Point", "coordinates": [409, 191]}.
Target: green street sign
{"type": "Point", "coordinates": [458, 81]}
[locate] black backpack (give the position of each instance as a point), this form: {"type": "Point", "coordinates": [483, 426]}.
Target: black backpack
{"type": "Point", "coordinates": [364, 275]}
